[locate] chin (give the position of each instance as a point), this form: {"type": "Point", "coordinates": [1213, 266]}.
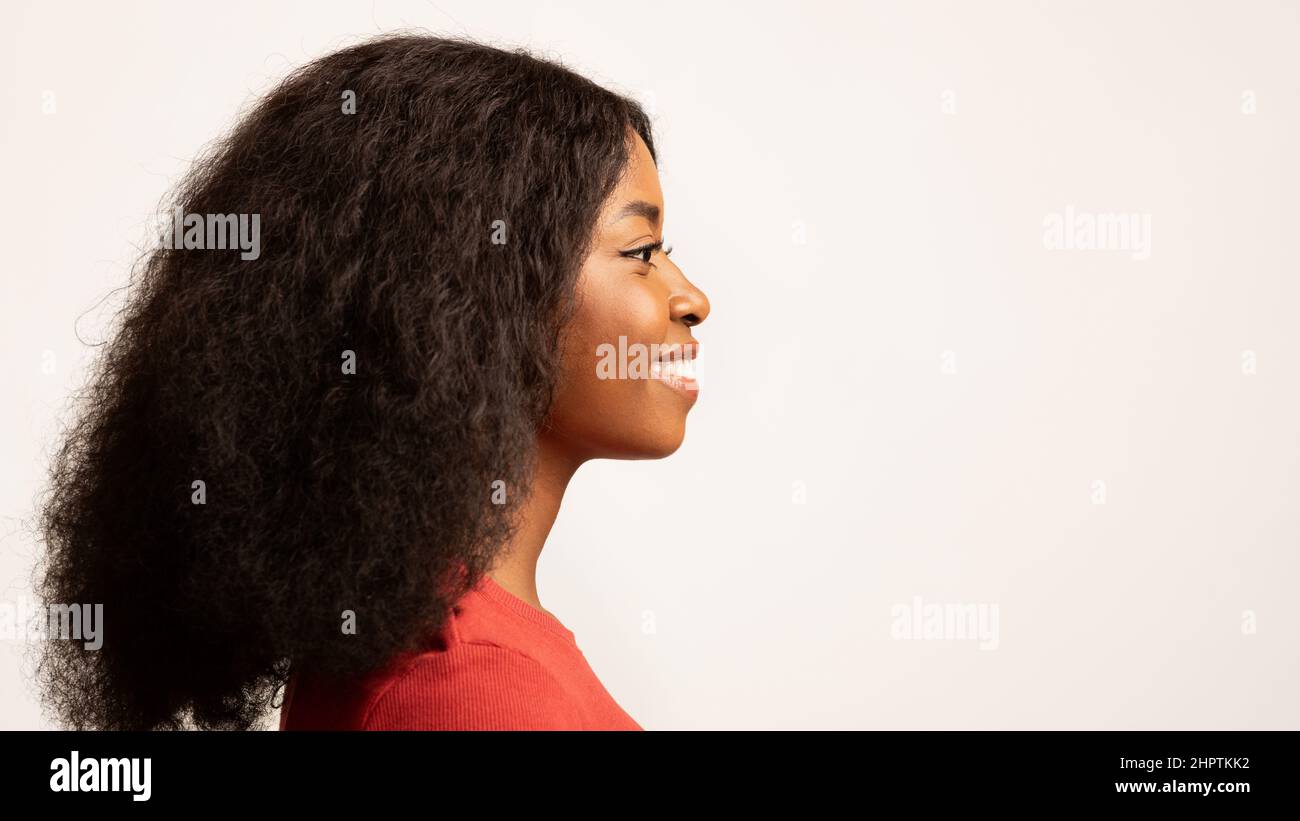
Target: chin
{"type": "Point", "coordinates": [647, 443]}
{"type": "Point", "coordinates": [664, 444]}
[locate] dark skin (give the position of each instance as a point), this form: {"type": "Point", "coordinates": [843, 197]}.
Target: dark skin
{"type": "Point", "coordinates": [644, 297]}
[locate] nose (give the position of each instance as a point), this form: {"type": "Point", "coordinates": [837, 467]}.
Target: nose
{"type": "Point", "coordinates": [687, 304]}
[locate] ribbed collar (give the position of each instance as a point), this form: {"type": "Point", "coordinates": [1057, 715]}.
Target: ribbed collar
{"type": "Point", "coordinates": [495, 592]}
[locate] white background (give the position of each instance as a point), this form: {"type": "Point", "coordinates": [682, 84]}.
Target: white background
{"type": "Point", "coordinates": [859, 188]}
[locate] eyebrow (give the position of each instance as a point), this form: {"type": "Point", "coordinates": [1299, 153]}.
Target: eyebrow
{"type": "Point", "coordinates": [639, 208]}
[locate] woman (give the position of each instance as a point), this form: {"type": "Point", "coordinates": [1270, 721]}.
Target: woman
{"type": "Point", "coordinates": [327, 466]}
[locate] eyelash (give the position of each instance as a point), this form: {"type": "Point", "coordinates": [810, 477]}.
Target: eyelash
{"type": "Point", "coordinates": [649, 250]}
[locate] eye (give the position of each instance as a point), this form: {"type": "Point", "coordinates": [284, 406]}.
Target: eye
{"type": "Point", "coordinates": [645, 252]}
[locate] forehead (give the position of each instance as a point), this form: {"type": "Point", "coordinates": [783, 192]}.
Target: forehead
{"type": "Point", "coordinates": [640, 181]}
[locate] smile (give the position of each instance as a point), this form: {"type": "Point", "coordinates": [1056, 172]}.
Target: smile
{"type": "Point", "coordinates": [675, 367]}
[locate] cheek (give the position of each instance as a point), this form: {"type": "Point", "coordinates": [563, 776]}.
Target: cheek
{"type": "Point", "coordinates": [613, 307]}
{"type": "Point", "coordinates": [624, 307]}
{"type": "Point", "coordinates": [614, 416]}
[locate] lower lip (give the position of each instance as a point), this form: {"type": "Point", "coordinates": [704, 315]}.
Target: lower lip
{"type": "Point", "coordinates": [686, 387]}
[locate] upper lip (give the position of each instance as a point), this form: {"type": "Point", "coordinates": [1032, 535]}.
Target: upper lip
{"type": "Point", "coordinates": [676, 352]}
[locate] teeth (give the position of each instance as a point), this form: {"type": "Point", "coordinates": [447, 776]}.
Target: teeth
{"type": "Point", "coordinates": [674, 368]}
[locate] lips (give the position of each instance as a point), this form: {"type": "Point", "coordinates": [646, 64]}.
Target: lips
{"type": "Point", "coordinates": [675, 367]}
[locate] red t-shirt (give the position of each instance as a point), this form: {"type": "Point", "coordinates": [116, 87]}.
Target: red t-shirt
{"type": "Point", "coordinates": [499, 664]}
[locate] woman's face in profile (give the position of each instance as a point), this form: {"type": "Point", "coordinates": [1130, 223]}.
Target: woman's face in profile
{"type": "Point", "coordinates": [628, 363]}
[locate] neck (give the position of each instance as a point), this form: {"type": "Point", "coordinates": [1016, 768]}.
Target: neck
{"type": "Point", "coordinates": [516, 566]}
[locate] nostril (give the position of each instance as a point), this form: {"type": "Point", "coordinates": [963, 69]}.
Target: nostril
{"type": "Point", "coordinates": [690, 320]}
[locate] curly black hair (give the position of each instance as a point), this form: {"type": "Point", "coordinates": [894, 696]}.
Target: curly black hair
{"type": "Point", "coordinates": [349, 396]}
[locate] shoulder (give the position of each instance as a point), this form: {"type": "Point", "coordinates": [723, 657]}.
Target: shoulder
{"type": "Point", "coordinates": [472, 685]}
